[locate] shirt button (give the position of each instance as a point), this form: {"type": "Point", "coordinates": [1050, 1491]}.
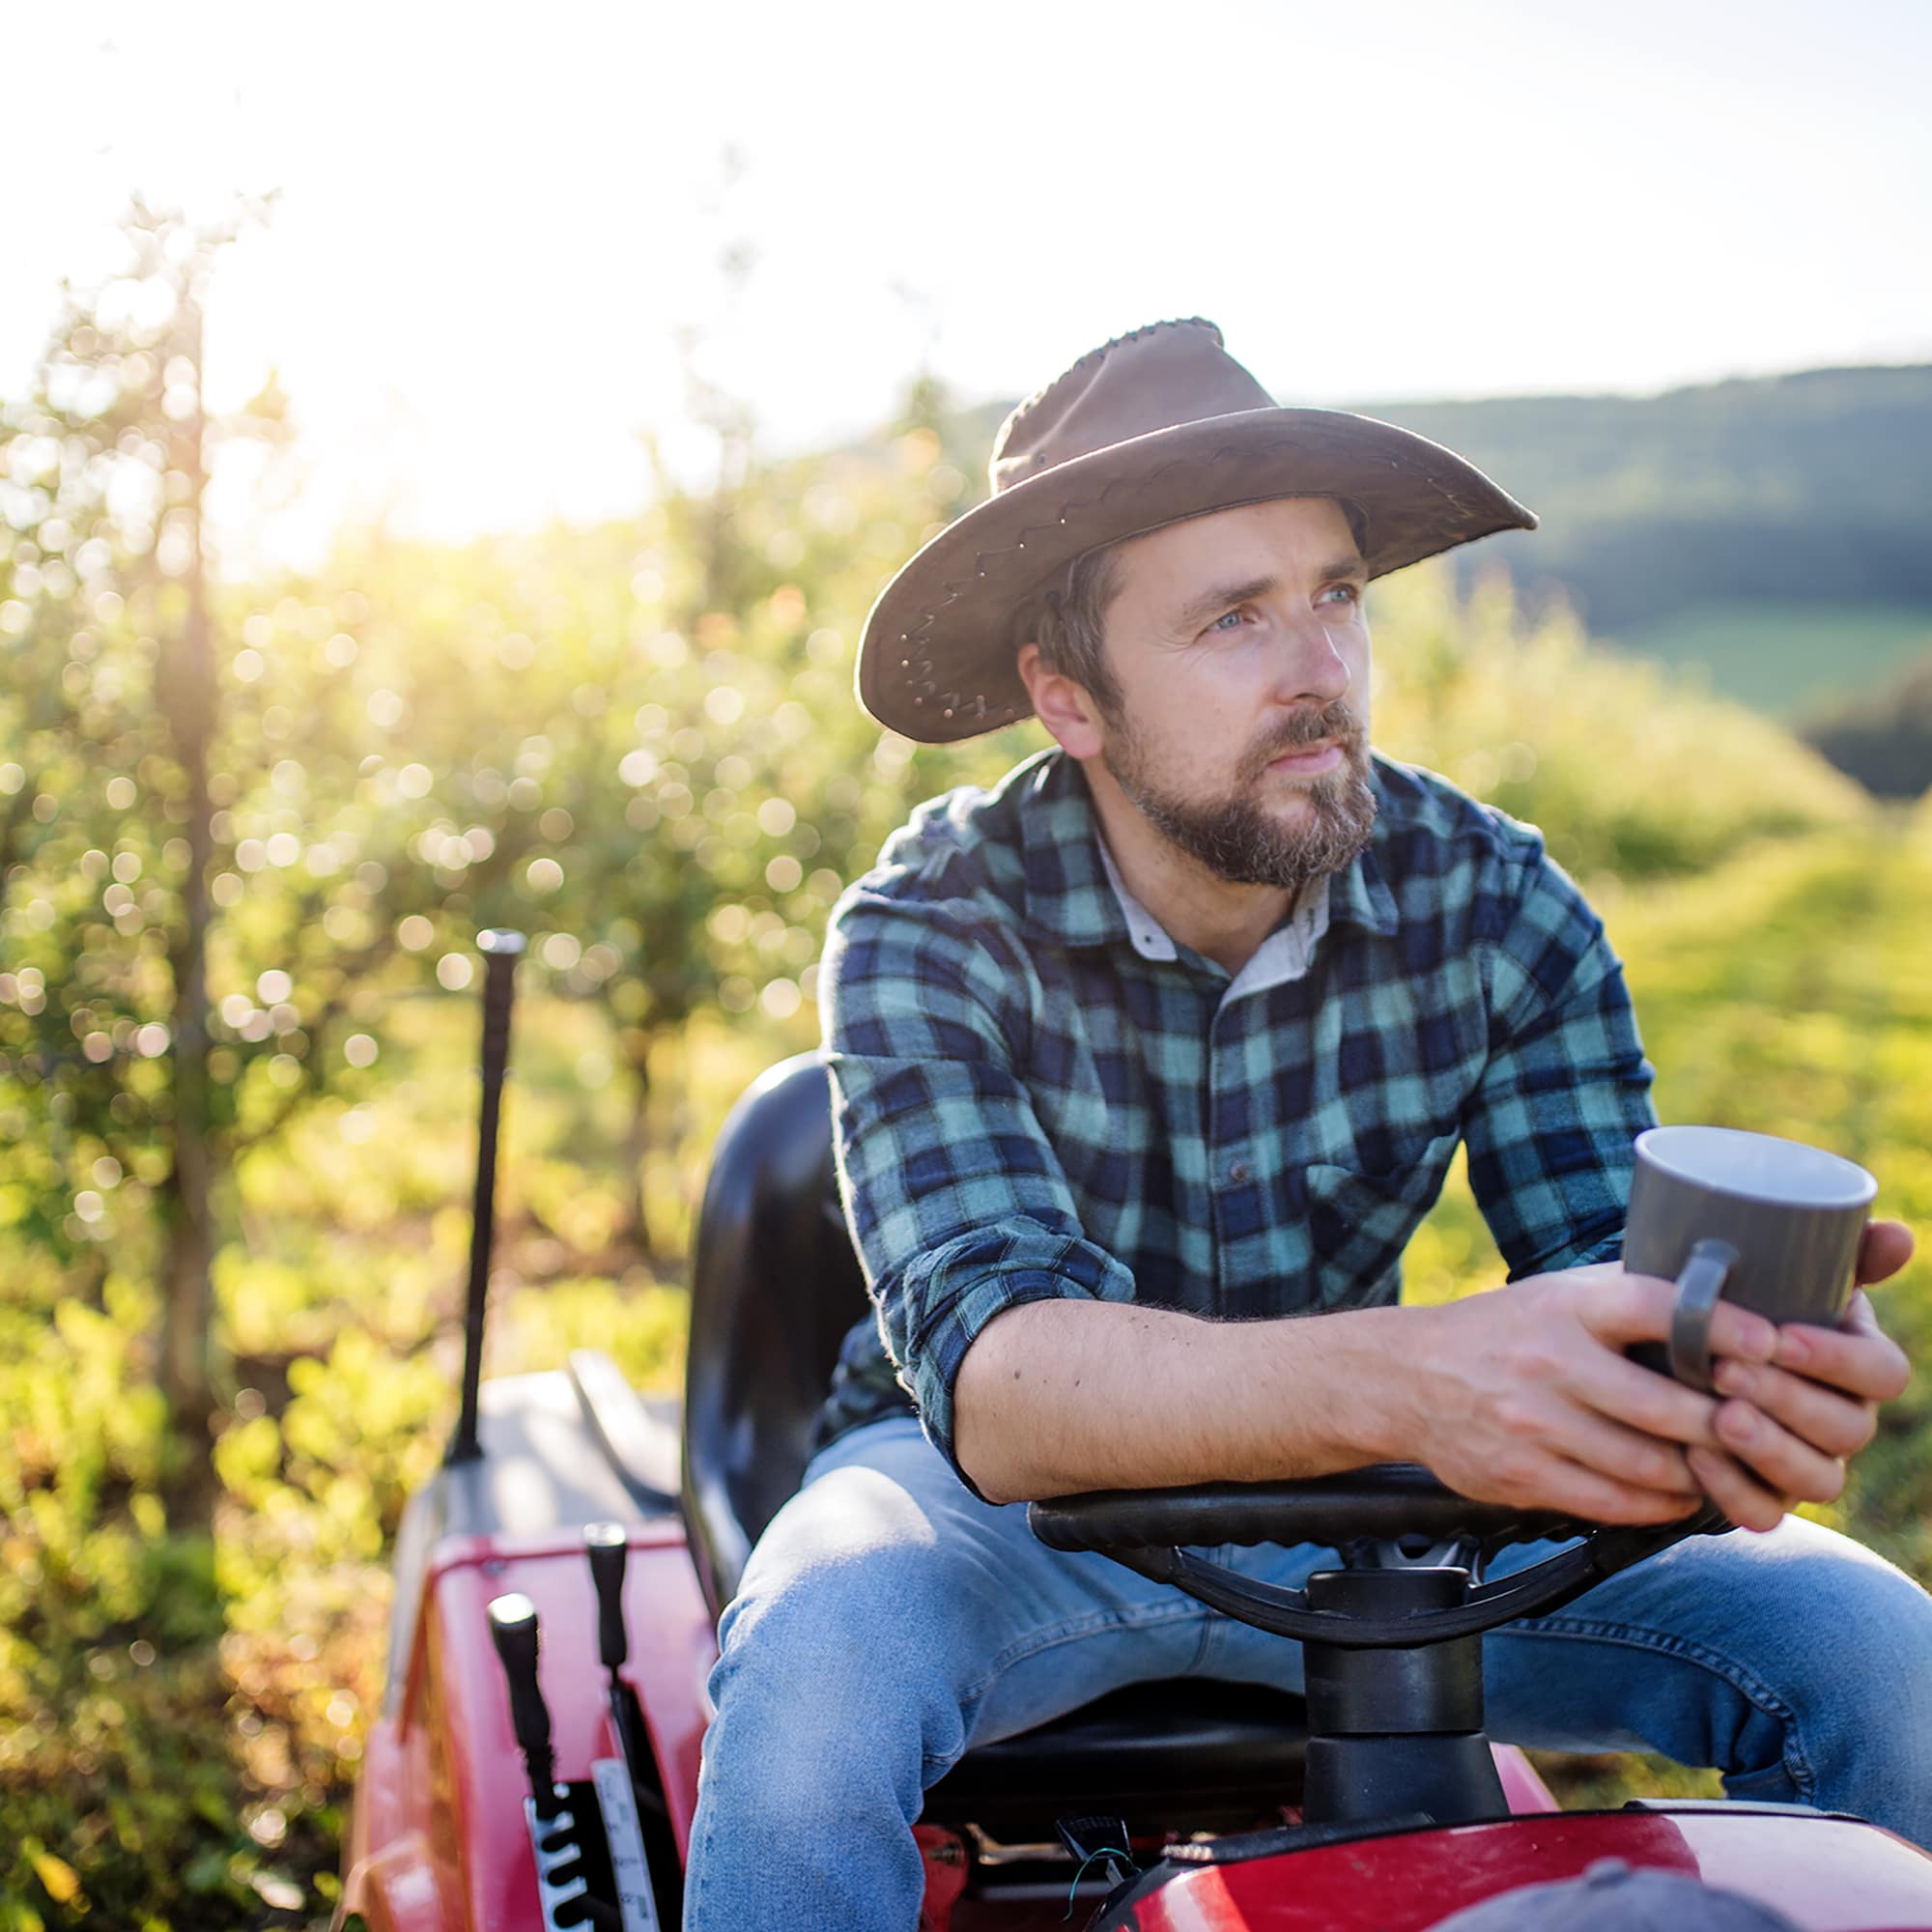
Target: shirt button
{"type": "Point", "coordinates": [1239, 1174]}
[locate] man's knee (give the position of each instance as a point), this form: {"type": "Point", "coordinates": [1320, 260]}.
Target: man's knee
{"type": "Point", "coordinates": [853, 1617]}
{"type": "Point", "coordinates": [1864, 1629]}
{"type": "Point", "coordinates": [855, 1557]}
{"type": "Point", "coordinates": [1850, 1639]}
{"type": "Point", "coordinates": [1833, 1604]}
{"type": "Point", "coordinates": [876, 1610]}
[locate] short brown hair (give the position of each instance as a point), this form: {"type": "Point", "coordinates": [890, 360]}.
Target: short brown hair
{"type": "Point", "coordinates": [1069, 628]}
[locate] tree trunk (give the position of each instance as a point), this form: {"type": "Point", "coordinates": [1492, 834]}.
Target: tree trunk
{"type": "Point", "coordinates": [636, 1232]}
{"type": "Point", "coordinates": [187, 694]}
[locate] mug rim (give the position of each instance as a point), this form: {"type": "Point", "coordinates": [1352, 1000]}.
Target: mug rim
{"type": "Point", "coordinates": [1654, 1146]}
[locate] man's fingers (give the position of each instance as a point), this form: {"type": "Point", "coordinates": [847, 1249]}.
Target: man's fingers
{"type": "Point", "coordinates": [1833, 1423]}
{"type": "Point", "coordinates": [1885, 1249]}
{"type": "Point", "coordinates": [1735, 1491]}
{"type": "Point", "coordinates": [1777, 1458]}
{"type": "Point", "coordinates": [1625, 1455]}
{"type": "Point", "coordinates": [1620, 1308]}
{"type": "Point", "coordinates": [1571, 1424]}
{"type": "Point", "coordinates": [1655, 1403]}
{"type": "Point", "coordinates": [1859, 1358]}
{"type": "Point", "coordinates": [1559, 1483]}
{"type": "Point", "coordinates": [1743, 1333]}
{"type": "Point", "coordinates": [1624, 1308]}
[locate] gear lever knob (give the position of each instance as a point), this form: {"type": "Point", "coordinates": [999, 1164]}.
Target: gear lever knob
{"type": "Point", "coordinates": [513, 1627]}
{"type": "Point", "coordinates": [609, 1546]}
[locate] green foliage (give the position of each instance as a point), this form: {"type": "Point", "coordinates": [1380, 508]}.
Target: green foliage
{"type": "Point", "coordinates": [563, 735]}
{"type": "Point", "coordinates": [109, 694]}
{"type": "Point", "coordinates": [1630, 772]}
{"type": "Point", "coordinates": [100, 474]}
{"type": "Point", "coordinates": [115, 1780]}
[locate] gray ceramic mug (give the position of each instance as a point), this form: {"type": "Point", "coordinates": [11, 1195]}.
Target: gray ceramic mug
{"type": "Point", "coordinates": [1772, 1225]}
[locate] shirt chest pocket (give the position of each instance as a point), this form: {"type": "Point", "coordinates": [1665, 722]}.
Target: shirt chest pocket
{"type": "Point", "coordinates": [1358, 1224]}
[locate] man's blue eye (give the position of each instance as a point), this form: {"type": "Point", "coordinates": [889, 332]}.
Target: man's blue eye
{"type": "Point", "coordinates": [1348, 590]}
{"type": "Point", "coordinates": [1223, 620]}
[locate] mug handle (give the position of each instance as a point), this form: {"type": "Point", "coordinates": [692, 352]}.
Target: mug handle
{"type": "Point", "coordinates": [1699, 1288]}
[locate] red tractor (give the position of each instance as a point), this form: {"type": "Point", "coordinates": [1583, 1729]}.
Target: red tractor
{"type": "Point", "coordinates": [559, 1584]}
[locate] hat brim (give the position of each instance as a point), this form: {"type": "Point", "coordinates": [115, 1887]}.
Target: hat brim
{"type": "Point", "coordinates": [937, 659]}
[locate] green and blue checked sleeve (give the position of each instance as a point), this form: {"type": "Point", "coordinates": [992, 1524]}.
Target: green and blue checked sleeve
{"type": "Point", "coordinates": [956, 1199]}
{"type": "Point", "coordinates": [1565, 1090]}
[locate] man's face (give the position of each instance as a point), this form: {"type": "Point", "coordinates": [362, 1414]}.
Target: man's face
{"type": "Point", "coordinates": [1240, 651]}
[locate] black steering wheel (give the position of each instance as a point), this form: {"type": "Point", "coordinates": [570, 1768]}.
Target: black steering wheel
{"type": "Point", "coordinates": [1150, 1531]}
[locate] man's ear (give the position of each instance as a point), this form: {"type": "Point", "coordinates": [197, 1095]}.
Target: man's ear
{"type": "Point", "coordinates": [1062, 704]}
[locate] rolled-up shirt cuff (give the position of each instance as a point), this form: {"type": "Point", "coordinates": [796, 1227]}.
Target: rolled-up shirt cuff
{"type": "Point", "coordinates": [996, 1270]}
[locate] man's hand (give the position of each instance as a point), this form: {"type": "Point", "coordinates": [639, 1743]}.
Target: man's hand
{"type": "Point", "coordinates": [1525, 1395]}
{"type": "Point", "coordinates": [1788, 1425]}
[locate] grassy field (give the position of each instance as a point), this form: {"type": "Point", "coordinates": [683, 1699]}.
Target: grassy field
{"type": "Point", "coordinates": [1785, 659]}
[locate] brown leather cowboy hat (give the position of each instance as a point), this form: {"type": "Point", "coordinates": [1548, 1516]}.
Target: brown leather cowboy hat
{"type": "Point", "coordinates": [1146, 430]}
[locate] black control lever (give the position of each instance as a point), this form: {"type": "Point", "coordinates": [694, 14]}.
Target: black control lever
{"type": "Point", "coordinates": [609, 1544]}
{"type": "Point", "coordinates": [513, 1627]}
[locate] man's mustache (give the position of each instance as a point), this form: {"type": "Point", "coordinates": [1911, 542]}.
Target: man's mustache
{"type": "Point", "coordinates": [1334, 720]}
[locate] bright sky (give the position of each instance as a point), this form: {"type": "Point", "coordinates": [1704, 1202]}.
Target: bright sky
{"type": "Point", "coordinates": [495, 217]}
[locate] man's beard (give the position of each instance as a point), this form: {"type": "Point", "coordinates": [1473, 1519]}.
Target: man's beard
{"type": "Point", "coordinates": [1233, 836]}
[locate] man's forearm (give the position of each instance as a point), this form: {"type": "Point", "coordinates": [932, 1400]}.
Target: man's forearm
{"type": "Point", "coordinates": [1055, 1397]}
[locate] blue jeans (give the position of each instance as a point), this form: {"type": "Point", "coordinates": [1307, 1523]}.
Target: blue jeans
{"type": "Point", "coordinates": [888, 1619]}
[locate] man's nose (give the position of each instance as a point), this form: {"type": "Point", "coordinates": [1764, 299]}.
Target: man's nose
{"type": "Point", "coordinates": [1311, 667]}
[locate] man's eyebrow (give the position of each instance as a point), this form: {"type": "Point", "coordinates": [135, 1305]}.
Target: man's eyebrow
{"type": "Point", "coordinates": [1220, 597]}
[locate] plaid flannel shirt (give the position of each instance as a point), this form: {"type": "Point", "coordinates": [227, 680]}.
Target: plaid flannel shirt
{"type": "Point", "coordinates": [1037, 1094]}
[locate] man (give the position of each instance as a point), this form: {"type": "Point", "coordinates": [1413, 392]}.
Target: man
{"type": "Point", "coordinates": [1171, 1038]}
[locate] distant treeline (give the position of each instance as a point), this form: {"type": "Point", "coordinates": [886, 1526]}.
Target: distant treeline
{"type": "Point", "coordinates": [1810, 489]}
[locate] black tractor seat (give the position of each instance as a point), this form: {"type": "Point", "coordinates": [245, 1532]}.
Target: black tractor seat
{"type": "Point", "coordinates": [775, 1288]}
{"type": "Point", "coordinates": [1189, 1753]}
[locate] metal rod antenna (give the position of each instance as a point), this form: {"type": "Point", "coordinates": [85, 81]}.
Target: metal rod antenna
{"type": "Point", "coordinates": [500, 951]}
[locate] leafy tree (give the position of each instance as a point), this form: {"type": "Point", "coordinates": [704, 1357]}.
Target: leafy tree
{"type": "Point", "coordinates": [106, 839]}
{"type": "Point", "coordinates": [638, 742]}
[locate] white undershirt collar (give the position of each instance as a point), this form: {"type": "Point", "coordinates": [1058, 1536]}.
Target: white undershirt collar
{"type": "Point", "coordinates": [1283, 956]}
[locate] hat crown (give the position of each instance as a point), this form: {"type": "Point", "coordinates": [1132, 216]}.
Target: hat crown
{"type": "Point", "coordinates": [1154, 379]}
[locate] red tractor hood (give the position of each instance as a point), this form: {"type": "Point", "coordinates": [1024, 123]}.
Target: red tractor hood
{"type": "Point", "coordinates": [1822, 1874]}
